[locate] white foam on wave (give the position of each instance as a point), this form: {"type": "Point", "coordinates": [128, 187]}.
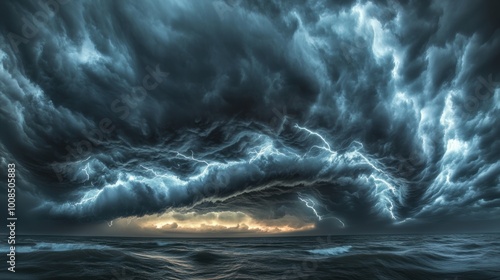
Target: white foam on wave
{"type": "Point", "coordinates": [59, 247]}
{"type": "Point", "coordinates": [331, 251]}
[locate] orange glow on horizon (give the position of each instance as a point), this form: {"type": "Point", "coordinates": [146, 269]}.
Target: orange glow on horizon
{"type": "Point", "coordinates": [225, 221]}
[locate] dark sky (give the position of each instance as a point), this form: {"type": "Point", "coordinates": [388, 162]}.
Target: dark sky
{"type": "Point", "coordinates": [251, 117]}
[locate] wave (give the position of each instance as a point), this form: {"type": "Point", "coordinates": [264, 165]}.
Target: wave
{"type": "Point", "coordinates": [60, 247]}
{"type": "Point", "coordinates": [162, 243]}
{"type": "Point", "coordinates": [334, 251]}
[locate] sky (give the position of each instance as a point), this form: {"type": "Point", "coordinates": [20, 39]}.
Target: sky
{"type": "Point", "coordinates": [251, 118]}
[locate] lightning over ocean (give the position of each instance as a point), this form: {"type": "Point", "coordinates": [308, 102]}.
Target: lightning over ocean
{"type": "Point", "coordinates": [249, 139]}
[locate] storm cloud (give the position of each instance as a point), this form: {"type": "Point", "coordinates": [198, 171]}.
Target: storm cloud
{"type": "Point", "coordinates": [349, 115]}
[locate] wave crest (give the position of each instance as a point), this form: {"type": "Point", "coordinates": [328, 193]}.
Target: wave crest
{"type": "Point", "coordinates": [334, 251]}
{"type": "Point", "coordinates": [60, 247]}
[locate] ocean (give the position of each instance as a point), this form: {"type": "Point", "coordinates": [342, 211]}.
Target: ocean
{"type": "Point", "coordinates": [453, 257]}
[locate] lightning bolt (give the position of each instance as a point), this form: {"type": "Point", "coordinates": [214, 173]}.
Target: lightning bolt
{"type": "Point", "coordinates": [86, 169]}
{"type": "Point", "coordinates": [391, 208]}
{"type": "Point", "coordinates": [343, 225]}
{"type": "Point", "coordinates": [265, 150]}
{"type": "Point", "coordinates": [326, 146]}
{"type": "Point", "coordinates": [310, 204]}
{"type": "Point", "coordinates": [89, 196]}
{"type": "Point", "coordinates": [157, 175]}
{"type": "Point", "coordinates": [405, 220]}
{"type": "Point", "coordinates": [389, 186]}
{"type": "Point", "coordinates": [368, 161]}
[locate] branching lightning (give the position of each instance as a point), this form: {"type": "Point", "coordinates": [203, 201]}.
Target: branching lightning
{"type": "Point", "coordinates": [310, 204]}
{"type": "Point", "coordinates": [326, 146]}
{"type": "Point", "coordinates": [376, 178]}
{"type": "Point", "coordinates": [259, 155]}
{"type": "Point", "coordinates": [86, 169]}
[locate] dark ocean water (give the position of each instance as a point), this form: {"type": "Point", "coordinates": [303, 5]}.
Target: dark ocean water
{"type": "Point", "coordinates": [475, 256]}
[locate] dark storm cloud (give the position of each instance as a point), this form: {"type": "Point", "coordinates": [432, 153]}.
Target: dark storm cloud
{"type": "Point", "coordinates": [369, 113]}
